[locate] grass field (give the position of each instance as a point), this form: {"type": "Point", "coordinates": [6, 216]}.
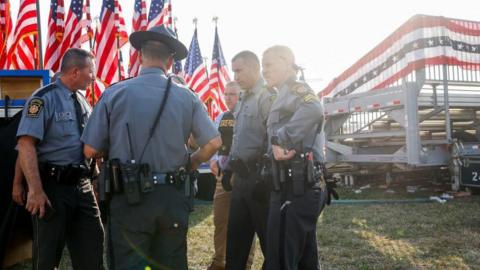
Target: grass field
{"type": "Point", "coordinates": [374, 236]}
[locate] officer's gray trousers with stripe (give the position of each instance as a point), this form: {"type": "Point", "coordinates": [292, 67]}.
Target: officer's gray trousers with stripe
{"type": "Point", "coordinates": [152, 233]}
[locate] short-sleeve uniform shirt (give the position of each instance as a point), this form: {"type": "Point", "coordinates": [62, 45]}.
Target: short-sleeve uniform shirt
{"type": "Point", "coordinates": [49, 116]}
{"type": "Point", "coordinates": [135, 103]}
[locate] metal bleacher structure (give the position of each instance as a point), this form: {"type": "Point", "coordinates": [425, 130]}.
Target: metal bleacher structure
{"type": "Point", "coordinates": [412, 103]}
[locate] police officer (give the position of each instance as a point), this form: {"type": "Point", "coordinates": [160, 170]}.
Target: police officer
{"type": "Point", "coordinates": [146, 121]}
{"type": "Point", "coordinates": [60, 197]}
{"type": "Point", "coordinates": [298, 198]}
{"type": "Point", "coordinates": [221, 199]}
{"type": "Point", "coordinates": [248, 212]}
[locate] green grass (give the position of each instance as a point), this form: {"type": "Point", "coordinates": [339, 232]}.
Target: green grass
{"type": "Point", "coordinates": [412, 236]}
{"type": "Point", "coordinates": [398, 236]}
{"type": "Point", "coordinates": [200, 240]}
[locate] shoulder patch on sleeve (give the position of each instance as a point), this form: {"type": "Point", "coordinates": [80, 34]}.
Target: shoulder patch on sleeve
{"type": "Point", "coordinates": [308, 98]}
{"type": "Point", "coordinates": [35, 106]}
{"type": "Point", "coordinates": [301, 89]}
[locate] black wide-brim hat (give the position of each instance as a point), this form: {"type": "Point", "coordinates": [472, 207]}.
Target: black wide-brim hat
{"type": "Point", "coordinates": [162, 34]}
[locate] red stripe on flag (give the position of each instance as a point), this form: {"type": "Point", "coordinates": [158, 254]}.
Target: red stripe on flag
{"type": "Point", "coordinates": [23, 46]}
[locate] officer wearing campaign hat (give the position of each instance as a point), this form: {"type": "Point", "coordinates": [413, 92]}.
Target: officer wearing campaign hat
{"type": "Point", "coordinates": [147, 121]}
{"type": "Point", "coordinates": [161, 34]}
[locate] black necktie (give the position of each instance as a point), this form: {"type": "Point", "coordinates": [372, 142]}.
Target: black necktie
{"type": "Point", "coordinates": [78, 112]}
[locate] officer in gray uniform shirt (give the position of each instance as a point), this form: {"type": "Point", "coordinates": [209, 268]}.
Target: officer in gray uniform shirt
{"type": "Point", "coordinates": [249, 201]}
{"type": "Point", "coordinates": [60, 196]}
{"type": "Point", "coordinates": [300, 190]}
{"type": "Point", "coordinates": [145, 123]}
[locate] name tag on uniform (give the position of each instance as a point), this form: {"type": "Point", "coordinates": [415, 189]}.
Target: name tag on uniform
{"type": "Point", "coordinates": [227, 123]}
{"type": "Point", "coordinates": [64, 116]}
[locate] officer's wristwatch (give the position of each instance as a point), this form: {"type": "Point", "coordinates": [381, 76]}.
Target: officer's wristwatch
{"type": "Point", "coordinates": [275, 140]}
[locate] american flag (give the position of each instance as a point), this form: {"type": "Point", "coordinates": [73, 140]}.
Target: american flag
{"type": "Point", "coordinates": [160, 13]}
{"type": "Point", "coordinates": [218, 78]}
{"type": "Point", "coordinates": [86, 24]}
{"type": "Point", "coordinates": [107, 46]}
{"type": "Point", "coordinates": [122, 36]}
{"type": "Point", "coordinates": [5, 30]}
{"type": "Point", "coordinates": [422, 41]}
{"type": "Point", "coordinates": [139, 23]}
{"type": "Point", "coordinates": [177, 66]}
{"type": "Point", "coordinates": [195, 70]}
{"type": "Point", "coordinates": [53, 53]}
{"type": "Point", "coordinates": [97, 86]}
{"type": "Point", "coordinates": [120, 24]}
{"type": "Point", "coordinates": [73, 27]}
{"type": "Point", "coordinates": [25, 39]}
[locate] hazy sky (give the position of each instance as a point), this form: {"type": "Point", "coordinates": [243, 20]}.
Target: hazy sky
{"type": "Point", "coordinates": [327, 37]}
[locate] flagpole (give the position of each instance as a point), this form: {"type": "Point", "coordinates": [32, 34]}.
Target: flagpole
{"type": "Point", "coordinates": [215, 20]}
{"type": "Point", "coordinates": [117, 28]}
{"type": "Point", "coordinates": [174, 25]}
{"type": "Point", "coordinates": [119, 57]}
{"type": "Point", "coordinates": [209, 99]}
{"type": "Point", "coordinates": [90, 42]}
{"type": "Point", "coordinates": [96, 19]}
{"type": "Point", "coordinates": [39, 35]}
{"type": "Point", "coordinates": [206, 66]}
{"type": "Point", "coordinates": [92, 92]}
{"type": "Point", "coordinates": [175, 19]}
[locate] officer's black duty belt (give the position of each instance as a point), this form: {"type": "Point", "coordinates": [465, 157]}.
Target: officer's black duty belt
{"type": "Point", "coordinates": [163, 178]}
{"type": "Point", "coordinates": [65, 174]}
{"type": "Point", "coordinates": [244, 169]}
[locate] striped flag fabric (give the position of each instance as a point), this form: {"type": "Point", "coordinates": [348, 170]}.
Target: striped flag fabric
{"type": "Point", "coordinates": [195, 71]}
{"type": "Point", "coordinates": [421, 41]}
{"type": "Point", "coordinates": [139, 23]}
{"type": "Point", "coordinates": [24, 45]}
{"type": "Point", "coordinates": [167, 17]}
{"type": "Point", "coordinates": [122, 36]}
{"type": "Point", "coordinates": [6, 32]}
{"type": "Point", "coordinates": [218, 78]}
{"type": "Point", "coordinates": [177, 68]}
{"type": "Point", "coordinates": [98, 88]}
{"type": "Point", "coordinates": [120, 26]}
{"type": "Point", "coordinates": [160, 13]}
{"type": "Point", "coordinates": [107, 46]}
{"type": "Point", "coordinates": [95, 90]}
{"type": "Point", "coordinates": [53, 53]}
{"type": "Point", "coordinates": [86, 24]}
{"type": "Point", "coordinates": [73, 26]}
